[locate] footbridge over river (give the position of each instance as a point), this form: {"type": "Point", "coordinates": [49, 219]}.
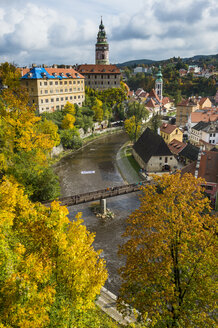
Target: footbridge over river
{"type": "Point", "coordinates": [100, 195]}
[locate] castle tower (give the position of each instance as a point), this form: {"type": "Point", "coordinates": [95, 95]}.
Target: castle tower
{"type": "Point", "coordinates": [101, 47]}
{"type": "Point", "coordinates": [159, 84]}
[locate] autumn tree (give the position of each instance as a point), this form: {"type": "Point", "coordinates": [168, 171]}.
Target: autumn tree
{"type": "Point", "coordinates": [9, 75]}
{"type": "Point", "coordinates": [132, 128]}
{"type": "Point", "coordinates": [68, 122]}
{"type": "Point", "coordinates": [50, 273]}
{"type": "Point", "coordinates": [25, 145]}
{"type": "Point", "coordinates": [169, 275]}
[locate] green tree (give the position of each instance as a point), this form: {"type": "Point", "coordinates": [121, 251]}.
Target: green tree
{"type": "Point", "coordinates": [170, 254]}
{"type": "Point", "coordinates": [155, 122]}
{"type": "Point", "coordinates": [70, 139]}
{"type": "Point", "coordinates": [132, 128]}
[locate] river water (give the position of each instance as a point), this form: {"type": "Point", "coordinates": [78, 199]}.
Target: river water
{"type": "Point", "coordinates": [99, 157]}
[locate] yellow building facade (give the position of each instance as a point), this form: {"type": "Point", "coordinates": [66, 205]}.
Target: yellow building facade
{"type": "Point", "coordinates": [169, 132]}
{"type": "Point", "coordinates": [51, 88]}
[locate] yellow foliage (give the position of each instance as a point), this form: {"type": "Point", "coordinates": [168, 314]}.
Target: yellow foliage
{"type": "Point", "coordinates": [44, 258]}
{"type": "Point", "coordinates": [68, 122]}
{"type": "Point", "coordinates": [170, 254]}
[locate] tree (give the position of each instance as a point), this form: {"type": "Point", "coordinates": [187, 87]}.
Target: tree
{"type": "Point", "coordinates": [50, 273]}
{"type": "Point", "coordinates": [170, 255]}
{"type": "Point", "coordinates": [155, 122]}
{"type": "Point", "coordinates": [132, 129]}
{"type": "Point", "coordinates": [69, 108]}
{"type": "Point", "coordinates": [70, 139]}
{"type": "Point", "coordinates": [9, 75]}
{"type": "Point", "coordinates": [68, 122]}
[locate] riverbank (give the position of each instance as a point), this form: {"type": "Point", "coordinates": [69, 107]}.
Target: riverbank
{"type": "Point", "coordinates": [86, 141]}
{"type": "Point", "coordinates": [127, 165]}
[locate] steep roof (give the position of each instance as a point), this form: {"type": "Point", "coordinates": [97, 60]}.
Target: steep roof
{"type": "Point", "coordinates": [98, 69]}
{"type": "Point", "coordinates": [208, 168]}
{"type": "Point", "coordinates": [176, 146]}
{"type": "Point", "coordinates": [152, 94]}
{"type": "Point", "coordinates": [200, 126]}
{"type": "Point", "coordinates": [151, 103]}
{"type": "Point", "coordinates": [50, 73]}
{"type": "Point", "coordinates": [190, 152]}
{"type": "Point", "coordinates": [202, 100]}
{"type": "Point", "coordinates": [168, 128]}
{"type": "Point", "coordinates": [151, 144]}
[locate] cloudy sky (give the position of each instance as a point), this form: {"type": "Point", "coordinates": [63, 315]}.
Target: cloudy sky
{"type": "Point", "coordinates": [64, 31]}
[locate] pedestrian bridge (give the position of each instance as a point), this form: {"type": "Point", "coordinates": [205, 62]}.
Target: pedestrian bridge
{"type": "Point", "coordinates": [99, 194]}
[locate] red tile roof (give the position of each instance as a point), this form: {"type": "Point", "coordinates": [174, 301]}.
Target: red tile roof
{"type": "Point", "coordinates": [176, 146]}
{"type": "Point", "coordinates": [98, 69]}
{"type": "Point", "coordinates": [153, 94]}
{"type": "Point", "coordinates": [206, 116]}
{"type": "Point", "coordinates": [151, 104]}
{"type": "Point", "coordinates": [165, 101]}
{"type": "Point", "coordinates": [209, 166]}
{"type": "Point", "coordinates": [168, 128]}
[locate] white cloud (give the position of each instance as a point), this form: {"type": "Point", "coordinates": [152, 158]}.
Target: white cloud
{"type": "Point", "coordinates": [65, 32]}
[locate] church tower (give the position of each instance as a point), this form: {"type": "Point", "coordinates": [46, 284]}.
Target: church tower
{"type": "Point", "coordinates": [159, 84]}
{"type": "Point", "coordinates": [101, 47]}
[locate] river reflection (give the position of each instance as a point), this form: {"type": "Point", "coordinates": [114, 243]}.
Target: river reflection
{"type": "Point", "coordinates": [99, 156]}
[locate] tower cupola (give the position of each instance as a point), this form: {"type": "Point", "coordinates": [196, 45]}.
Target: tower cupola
{"type": "Point", "coordinates": [101, 47]}
{"type": "Point", "coordinates": [159, 84]}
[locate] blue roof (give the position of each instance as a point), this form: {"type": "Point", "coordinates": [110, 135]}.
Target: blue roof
{"type": "Point", "coordinates": [40, 73]}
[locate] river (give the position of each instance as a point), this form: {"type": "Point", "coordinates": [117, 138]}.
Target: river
{"type": "Point", "coordinates": [99, 157]}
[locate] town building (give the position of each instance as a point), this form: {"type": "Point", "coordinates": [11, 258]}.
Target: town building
{"type": "Point", "coordinates": [205, 166]}
{"type": "Point", "coordinates": [169, 132]}
{"type": "Point", "coordinates": [206, 132]}
{"type": "Point", "coordinates": [186, 107]}
{"type": "Point", "coordinates": [101, 75]}
{"type": "Point", "coordinates": [51, 88]}
{"type": "Point", "coordinates": [152, 153]}
{"type": "Point", "coordinates": [176, 147]}
{"type": "Point", "coordinates": [204, 115]}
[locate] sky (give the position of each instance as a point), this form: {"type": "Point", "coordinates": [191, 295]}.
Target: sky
{"type": "Point", "coordinates": [64, 31]}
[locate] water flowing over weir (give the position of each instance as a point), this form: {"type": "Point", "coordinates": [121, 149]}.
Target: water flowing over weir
{"type": "Point", "coordinates": [98, 161]}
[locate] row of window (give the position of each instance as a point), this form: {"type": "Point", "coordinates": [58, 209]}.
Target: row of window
{"type": "Point", "coordinates": [97, 83]}
{"type": "Point", "coordinates": [62, 99]}
{"type": "Point", "coordinates": [61, 90]}
{"type": "Point", "coordinates": [101, 76]}
{"type": "Point", "coordinates": [41, 83]}
{"type": "Point", "coordinates": [58, 107]}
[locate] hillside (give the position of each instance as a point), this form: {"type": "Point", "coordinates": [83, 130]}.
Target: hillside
{"type": "Point", "coordinates": [213, 59]}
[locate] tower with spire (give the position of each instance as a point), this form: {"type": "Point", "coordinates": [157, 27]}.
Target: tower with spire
{"type": "Point", "coordinates": [101, 47]}
{"type": "Point", "coordinates": [159, 84]}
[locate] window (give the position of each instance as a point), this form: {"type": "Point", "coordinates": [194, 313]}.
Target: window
{"type": "Point", "coordinates": [115, 82]}
{"type": "Point", "coordinates": [57, 107]}
{"type": "Point", "coordinates": [78, 97]}
{"type": "Point", "coordinates": [56, 82]}
{"type": "Point", "coordinates": [70, 90]}
{"type": "Point", "coordinates": [160, 158]}
{"type": "Point", "coordinates": [61, 82]}
{"type": "Point", "coordinates": [66, 90]}
{"type": "Point", "coordinates": [46, 100]}
{"type": "Point", "coordinates": [41, 101]}
{"type": "Point", "coordinates": [166, 159]}
{"type": "Point", "coordinates": [41, 92]}
{"type": "Point", "coordinates": [102, 76]}
{"type": "Point", "coordinates": [65, 82]}
{"type": "Point", "coordinates": [45, 83]}
{"type": "Point", "coordinates": [171, 158]}
{"type": "Point", "coordinates": [33, 101]}
{"type": "Point", "coordinates": [46, 91]}
{"type": "Point", "coordinates": [70, 82]}
{"type": "Point", "coordinates": [209, 188]}
{"type": "Point", "coordinates": [51, 83]}
{"type": "Point", "coordinates": [61, 90]}
{"type": "Point", "coordinates": [66, 98]}
{"type": "Point", "coordinates": [51, 91]}
{"type": "Point", "coordinates": [62, 99]}
{"type": "Point", "coordinates": [74, 82]}
{"type": "Point", "coordinates": [74, 97]}
{"type": "Point", "coordinates": [40, 83]}
{"type": "Point", "coordinates": [52, 100]}
{"type": "Point", "coordinates": [78, 82]}
{"type": "Point", "coordinates": [57, 99]}
{"type": "Point", "coordinates": [71, 97]}
{"type": "Point", "coordinates": [32, 89]}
